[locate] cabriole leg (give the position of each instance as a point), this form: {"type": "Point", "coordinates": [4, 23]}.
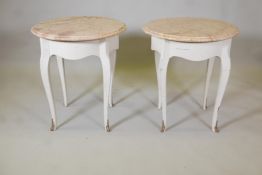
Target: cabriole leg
{"type": "Point", "coordinates": [61, 69]}
{"type": "Point", "coordinates": [163, 73]}
{"type": "Point", "coordinates": [44, 68]}
{"type": "Point", "coordinates": [105, 60]}
{"type": "Point", "coordinates": [210, 65]}
{"type": "Point", "coordinates": [224, 75]}
{"type": "Point", "coordinates": [157, 57]}
{"type": "Point", "coordinates": [112, 70]}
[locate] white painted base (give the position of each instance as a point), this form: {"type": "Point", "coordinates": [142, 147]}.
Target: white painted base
{"type": "Point", "coordinates": [105, 49]}
{"type": "Point", "coordinates": [165, 49]}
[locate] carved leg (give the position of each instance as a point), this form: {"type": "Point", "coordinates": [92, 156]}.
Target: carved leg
{"type": "Point", "coordinates": [112, 70]}
{"type": "Point", "coordinates": [105, 60]}
{"type": "Point", "coordinates": [61, 68]}
{"type": "Point", "coordinates": [163, 72]}
{"type": "Point", "coordinates": [224, 75]}
{"type": "Point", "coordinates": [157, 57]}
{"type": "Point", "coordinates": [44, 68]}
{"type": "Point", "coordinates": [210, 66]}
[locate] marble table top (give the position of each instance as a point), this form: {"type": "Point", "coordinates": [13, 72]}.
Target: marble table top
{"type": "Point", "coordinates": [78, 28]}
{"type": "Point", "coordinates": [186, 29]}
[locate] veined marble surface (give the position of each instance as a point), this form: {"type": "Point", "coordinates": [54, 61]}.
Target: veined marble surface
{"type": "Point", "coordinates": [186, 29]}
{"type": "Point", "coordinates": [78, 28]}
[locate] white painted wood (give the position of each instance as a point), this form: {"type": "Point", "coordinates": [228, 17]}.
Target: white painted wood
{"type": "Point", "coordinates": [157, 58]}
{"type": "Point", "coordinates": [45, 74]}
{"type": "Point", "coordinates": [112, 64]}
{"type": "Point", "coordinates": [163, 64]}
{"type": "Point", "coordinates": [74, 51]}
{"type": "Point", "coordinates": [224, 75]}
{"type": "Point", "coordinates": [105, 61]}
{"type": "Point", "coordinates": [210, 65]}
{"type": "Point", "coordinates": [61, 70]}
{"type": "Point", "coordinates": [193, 52]}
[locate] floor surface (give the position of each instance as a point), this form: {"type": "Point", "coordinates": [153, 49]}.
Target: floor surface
{"type": "Point", "coordinates": [135, 145]}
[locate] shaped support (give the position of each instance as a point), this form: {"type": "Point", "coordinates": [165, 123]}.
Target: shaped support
{"type": "Point", "coordinates": [210, 65]}
{"type": "Point", "coordinates": [105, 49]}
{"type": "Point", "coordinates": [163, 65]}
{"type": "Point", "coordinates": [61, 70]}
{"type": "Point", "coordinates": [224, 76]}
{"type": "Point", "coordinates": [112, 71]}
{"type": "Point", "coordinates": [45, 74]}
{"type": "Point", "coordinates": [192, 52]}
{"type": "Point", "coordinates": [157, 58]}
{"type": "Point", "coordinates": [106, 66]}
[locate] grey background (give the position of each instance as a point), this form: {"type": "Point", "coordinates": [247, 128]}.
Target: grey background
{"type": "Point", "coordinates": [18, 16]}
{"type": "Point", "coordinates": [135, 145]}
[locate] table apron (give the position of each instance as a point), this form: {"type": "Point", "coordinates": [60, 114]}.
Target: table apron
{"type": "Point", "coordinates": [79, 50]}
{"type": "Point", "coordinates": [190, 51]}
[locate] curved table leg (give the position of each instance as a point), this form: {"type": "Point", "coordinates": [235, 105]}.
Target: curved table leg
{"type": "Point", "coordinates": [112, 71]}
{"type": "Point", "coordinates": [163, 73]}
{"type": "Point", "coordinates": [61, 70]}
{"type": "Point", "coordinates": [224, 75]}
{"type": "Point", "coordinates": [210, 65]}
{"type": "Point", "coordinates": [157, 57]}
{"type": "Point", "coordinates": [105, 61]}
{"type": "Point", "coordinates": [44, 68]}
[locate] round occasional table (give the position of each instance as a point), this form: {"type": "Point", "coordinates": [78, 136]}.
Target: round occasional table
{"type": "Point", "coordinates": [194, 39]}
{"type": "Point", "coordinates": [74, 38]}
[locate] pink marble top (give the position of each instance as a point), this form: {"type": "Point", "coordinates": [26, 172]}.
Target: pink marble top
{"type": "Point", "coordinates": [78, 28]}
{"type": "Point", "coordinates": [187, 29]}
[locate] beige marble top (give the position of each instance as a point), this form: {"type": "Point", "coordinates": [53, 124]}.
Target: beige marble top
{"type": "Point", "coordinates": [78, 28]}
{"type": "Point", "coordinates": [187, 29]}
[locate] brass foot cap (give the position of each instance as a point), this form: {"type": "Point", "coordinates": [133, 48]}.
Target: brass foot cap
{"type": "Point", "coordinates": [107, 128]}
{"type": "Point", "coordinates": [215, 130]}
{"type": "Point", "coordinates": [163, 128]}
{"type": "Point", "coordinates": [53, 125]}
